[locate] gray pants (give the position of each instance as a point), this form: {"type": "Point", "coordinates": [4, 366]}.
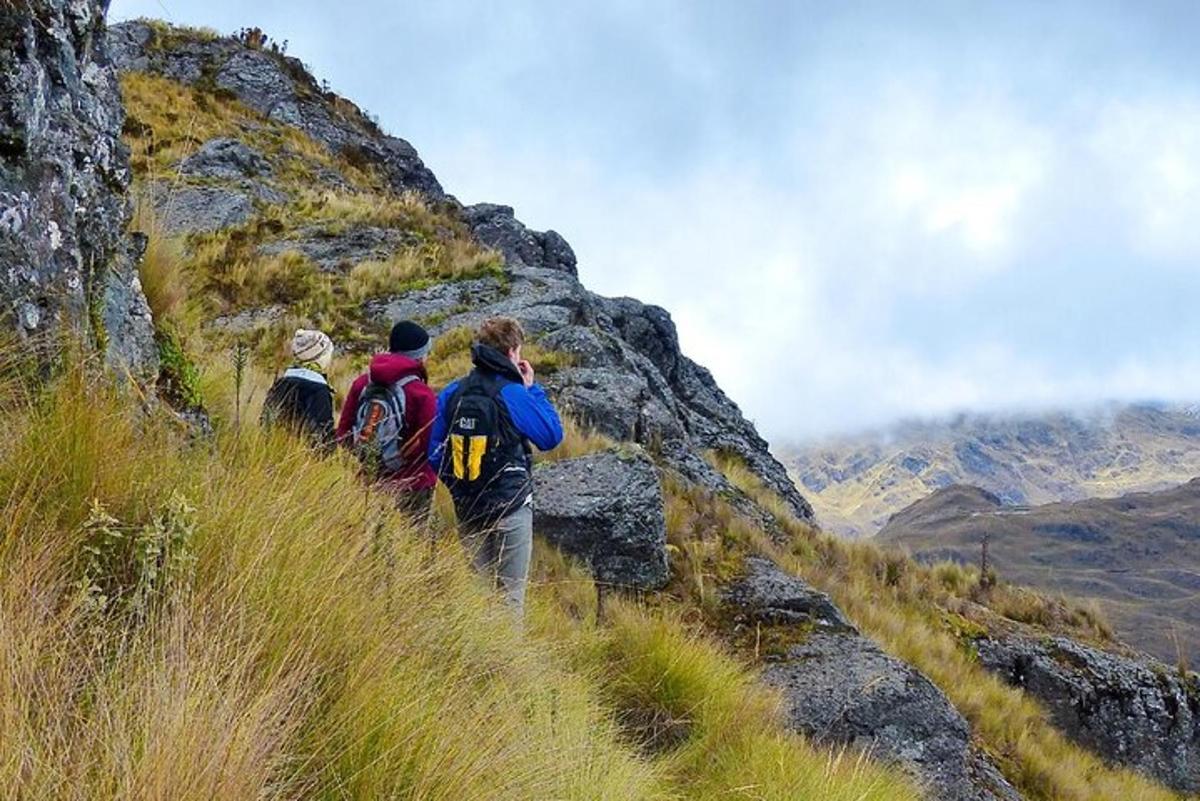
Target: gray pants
{"type": "Point", "coordinates": [501, 553]}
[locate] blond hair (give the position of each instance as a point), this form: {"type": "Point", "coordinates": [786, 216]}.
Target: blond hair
{"type": "Point", "coordinates": [502, 333]}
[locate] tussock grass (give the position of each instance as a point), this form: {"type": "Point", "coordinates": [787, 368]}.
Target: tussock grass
{"type": "Point", "coordinates": [164, 280]}
{"type": "Point", "coordinates": [310, 649]}
{"type": "Point", "coordinates": [167, 121]}
{"type": "Point", "coordinates": [927, 617]}
{"type": "Point", "coordinates": [578, 440]}
{"type": "Point", "coordinates": [409, 269]}
{"type": "Point", "coordinates": [681, 699]}
{"type": "Point", "coordinates": [242, 619]}
{"type": "Point", "coordinates": [339, 210]}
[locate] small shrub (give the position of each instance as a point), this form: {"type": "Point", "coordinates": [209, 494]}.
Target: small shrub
{"type": "Point", "coordinates": [179, 378]}
{"type": "Point", "coordinates": [128, 570]}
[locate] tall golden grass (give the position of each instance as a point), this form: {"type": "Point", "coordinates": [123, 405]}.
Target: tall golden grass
{"type": "Point", "coordinates": [238, 618]}
{"type": "Point", "coordinates": [311, 649]}
{"type": "Point", "coordinates": [712, 729]}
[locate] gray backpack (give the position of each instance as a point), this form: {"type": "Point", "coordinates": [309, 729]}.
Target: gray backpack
{"type": "Point", "coordinates": [378, 433]}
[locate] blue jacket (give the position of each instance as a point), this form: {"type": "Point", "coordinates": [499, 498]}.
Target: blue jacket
{"type": "Point", "coordinates": [528, 409]}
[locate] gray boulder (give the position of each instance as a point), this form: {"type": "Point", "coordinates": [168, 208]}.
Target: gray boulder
{"type": "Point", "coordinates": [606, 400]}
{"type": "Point", "coordinates": [436, 304]}
{"type": "Point", "coordinates": [184, 209]}
{"type": "Point", "coordinates": [769, 596]}
{"type": "Point", "coordinates": [225, 158]}
{"type": "Point", "coordinates": [840, 688]}
{"type": "Point", "coordinates": [605, 509]}
{"type": "Point", "coordinates": [334, 250]}
{"type": "Point", "coordinates": [495, 226]}
{"type": "Point", "coordinates": [247, 320]}
{"type": "Point", "coordinates": [1137, 713]}
{"type": "Point", "coordinates": [64, 177]}
{"type": "Point", "coordinates": [545, 301]}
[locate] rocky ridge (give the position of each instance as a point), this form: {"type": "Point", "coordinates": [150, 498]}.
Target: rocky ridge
{"type": "Point", "coordinates": [629, 379]}
{"type": "Point", "coordinates": [64, 178]}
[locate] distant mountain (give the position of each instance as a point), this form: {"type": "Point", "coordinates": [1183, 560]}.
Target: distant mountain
{"type": "Point", "coordinates": [856, 483]}
{"type": "Point", "coordinates": [1139, 554]}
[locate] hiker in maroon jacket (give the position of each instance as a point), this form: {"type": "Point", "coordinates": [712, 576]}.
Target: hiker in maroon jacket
{"type": "Point", "coordinates": [399, 374]}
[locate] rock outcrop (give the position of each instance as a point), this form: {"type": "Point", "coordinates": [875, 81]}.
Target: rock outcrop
{"type": "Point", "coordinates": [279, 87]}
{"type": "Point", "coordinates": [1131, 712]}
{"type": "Point", "coordinates": [65, 256]}
{"type": "Point", "coordinates": [839, 687]}
{"type": "Point", "coordinates": [606, 510]}
{"type": "Point", "coordinates": [495, 226]}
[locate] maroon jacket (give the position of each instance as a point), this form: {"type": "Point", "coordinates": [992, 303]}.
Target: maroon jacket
{"type": "Point", "coordinates": [420, 411]}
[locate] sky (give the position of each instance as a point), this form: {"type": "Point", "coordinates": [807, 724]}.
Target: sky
{"type": "Point", "coordinates": [855, 212]}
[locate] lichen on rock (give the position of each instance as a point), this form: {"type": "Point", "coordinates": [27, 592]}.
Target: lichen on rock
{"type": "Point", "coordinates": [67, 260]}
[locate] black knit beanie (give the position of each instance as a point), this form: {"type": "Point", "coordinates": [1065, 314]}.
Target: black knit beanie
{"type": "Point", "coordinates": [409, 339]}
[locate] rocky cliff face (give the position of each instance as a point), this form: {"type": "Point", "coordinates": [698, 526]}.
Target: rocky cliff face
{"type": "Point", "coordinates": [1133, 712]}
{"type": "Point", "coordinates": [65, 256]}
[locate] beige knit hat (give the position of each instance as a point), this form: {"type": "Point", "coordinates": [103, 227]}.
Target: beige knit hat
{"type": "Point", "coordinates": [312, 347]}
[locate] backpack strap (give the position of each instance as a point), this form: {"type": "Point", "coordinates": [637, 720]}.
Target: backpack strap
{"type": "Point", "coordinates": [398, 391]}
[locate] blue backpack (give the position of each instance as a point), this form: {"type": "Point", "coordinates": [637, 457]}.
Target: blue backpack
{"type": "Point", "coordinates": [378, 433]}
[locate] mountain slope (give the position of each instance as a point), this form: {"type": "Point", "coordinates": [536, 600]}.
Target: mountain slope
{"type": "Point", "coordinates": [855, 484]}
{"type": "Point", "coordinates": [1139, 553]}
{"type": "Point", "coordinates": [214, 611]}
{"type": "Point", "coordinates": [356, 232]}
{"type": "Point", "coordinates": [321, 236]}
{"type": "Point", "coordinates": [188, 612]}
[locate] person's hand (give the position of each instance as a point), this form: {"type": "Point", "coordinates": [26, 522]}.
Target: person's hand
{"type": "Point", "coordinates": [526, 370]}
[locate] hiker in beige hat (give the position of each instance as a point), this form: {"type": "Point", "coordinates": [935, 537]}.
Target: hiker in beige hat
{"type": "Point", "coordinates": [302, 397]}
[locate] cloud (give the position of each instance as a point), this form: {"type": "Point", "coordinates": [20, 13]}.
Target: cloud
{"type": "Point", "coordinates": [1150, 151]}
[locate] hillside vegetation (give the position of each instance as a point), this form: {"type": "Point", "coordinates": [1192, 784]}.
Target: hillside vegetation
{"type": "Point", "coordinates": [240, 619]}
{"type": "Point", "coordinates": [233, 617]}
{"type": "Point", "coordinates": [929, 616]}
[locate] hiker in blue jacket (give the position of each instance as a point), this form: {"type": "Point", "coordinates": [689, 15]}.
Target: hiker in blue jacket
{"type": "Point", "coordinates": [481, 447]}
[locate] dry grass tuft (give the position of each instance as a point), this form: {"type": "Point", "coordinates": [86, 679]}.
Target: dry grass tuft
{"type": "Point", "coordinates": [692, 708]}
